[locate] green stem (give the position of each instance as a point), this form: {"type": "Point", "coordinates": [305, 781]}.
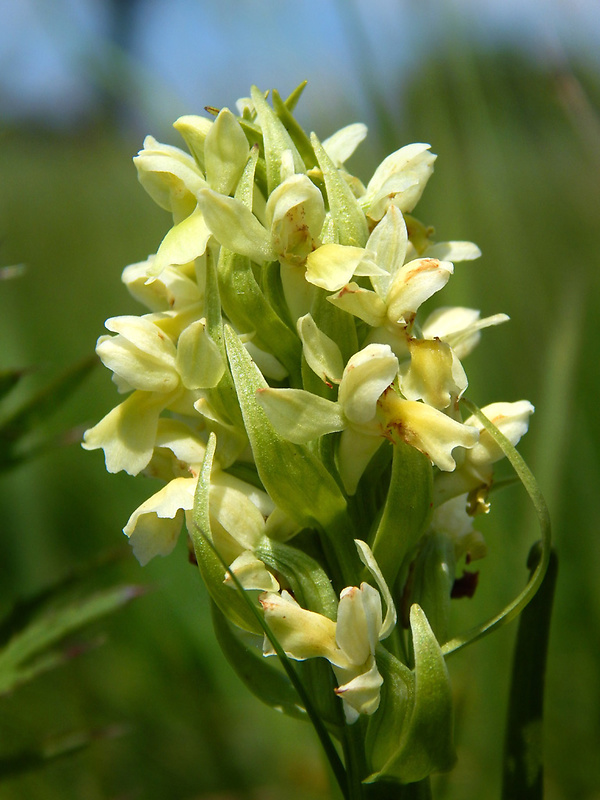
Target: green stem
{"type": "Point", "coordinates": [200, 529]}
{"type": "Point", "coordinates": [523, 773]}
{"type": "Point", "coordinates": [355, 762]}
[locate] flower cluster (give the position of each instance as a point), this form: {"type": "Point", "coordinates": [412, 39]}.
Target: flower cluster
{"type": "Point", "coordinates": [282, 322]}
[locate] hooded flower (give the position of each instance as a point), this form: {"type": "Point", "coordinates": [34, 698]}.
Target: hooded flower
{"type": "Point", "coordinates": [238, 510]}
{"type": "Point", "coordinates": [160, 369]}
{"type": "Point", "coordinates": [349, 644]}
{"type": "Point", "coordinates": [366, 410]}
{"type": "Point", "coordinates": [476, 468]}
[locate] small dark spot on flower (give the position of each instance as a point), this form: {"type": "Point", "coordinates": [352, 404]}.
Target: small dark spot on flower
{"type": "Point", "coordinates": [465, 586]}
{"type": "Point", "coordinates": [191, 554]}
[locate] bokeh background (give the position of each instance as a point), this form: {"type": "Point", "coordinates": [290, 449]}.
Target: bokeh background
{"type": "Point", "coordinates": [508, 94]}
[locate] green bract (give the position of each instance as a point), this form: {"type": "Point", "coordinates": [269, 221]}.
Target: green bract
{"type": "Point", "coordinates": [305, 422]}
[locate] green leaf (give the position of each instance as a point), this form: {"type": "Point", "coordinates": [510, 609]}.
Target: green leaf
{"type": "Point", "coordinates": [9, 378]}
{"type": "Point", "coordinates": [406, 512]}
{"type": "Point", "coordinates": [249, 310]}
{"type": "Point", "coordinates": [27, 653]}
{"type": "Point", "coordinates": [210, 565]}
{"type": "Point", "coordinates": [259, 674]}
{"type": "Point", "coordinates": [295, 479]}
{"type": "Point", "coordinates": [34, 758]}
{"type": "Point", "coordinates": [35, 411]}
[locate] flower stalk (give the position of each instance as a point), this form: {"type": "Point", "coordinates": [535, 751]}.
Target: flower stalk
{"type": "Point", "coordinates": [307, 425]}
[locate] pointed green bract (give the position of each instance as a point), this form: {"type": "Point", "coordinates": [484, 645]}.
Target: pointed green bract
{"type": "Point", "coordinates": [349, 220]}
{"type": "Point", "coordinates": [406, 512]}
{"type": "Point", "coordinates": [299, 137]}
{"type": "Point", "coordinates": [247, 307]}
{"type": "Point", "coordinates": [426, 736]}
{"type": "Point", "coordinates": [276, 140]}
{"type": "Point", "coordinates": [210, 566]}
{"type": "Point", "coordinates": [306, 577]}
{"type": "Point", "coordinates": [386, 727]}
{"type": "Point", "coordinates": [295, 478]}
{"type": "Point", "coordinates": [260, 675]}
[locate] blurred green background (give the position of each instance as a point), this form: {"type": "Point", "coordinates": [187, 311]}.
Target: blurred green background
{"type": "Point", "coordinates": [517, 131]}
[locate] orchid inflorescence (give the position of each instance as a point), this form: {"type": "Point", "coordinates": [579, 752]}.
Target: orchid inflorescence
{"type": "Point", "coordinates": [305, 422]}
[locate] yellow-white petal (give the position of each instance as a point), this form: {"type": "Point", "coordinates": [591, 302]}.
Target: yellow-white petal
{"type": "Point", "coordinates": [173, 289]}
{"type": "Point", "coordinates": [127, 433]}
{"type": "Point", "coordinates": [427, 429]}
{"type": "Point", "coordinates": [322, 354]}
{"type": "Point", "coordinates": [251, 573]}
{"type": "Point", "coordinates": [302, 634]}
{"type": "Point", "coordinates": [340, 146]}
{"type": "Point", "coordinates": [183, 243]}
{"type": "Point", "coordinates": [199, 361]}
{"type": "Point", "coordinates": [453, 251]}
{"type": "Point", "coordinates": [235, 226]}
{"type": "Point", "coordinates": [387, 247]}
{"type": "Point", "coordinates": [414, 283]}
{"type": "Point", "coordinates": [141, 354]}
{"type": "Point", "coordinates": [331, 266]}
{"type": "Point", "coordinates": [512, 419]}
{"type": "Point", "coordinates": [367, 374]}
{"type": "Point", "coordinates": [359, 621]}
{"type": "Point", "coordinates": [225, 152]}
{"type": "Point", "coordinates": [399, 179]}
{"type": "Point", "coordinates": [460, 327]}
{"type": "Point", "coordinates": [361, 303]}
{"type": "Point", "coordinates": [360, 694]}
{"type": "Point", "coordinates": [433, 374]}
{"type": "Point", "coordinates": [154, 527]}
{"type": "Point", "coordinates": [368, 559]}
{"type": "Point", "coordinates": [300, 416]}
{"type": "Point", "coordinates": [295, 214]}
